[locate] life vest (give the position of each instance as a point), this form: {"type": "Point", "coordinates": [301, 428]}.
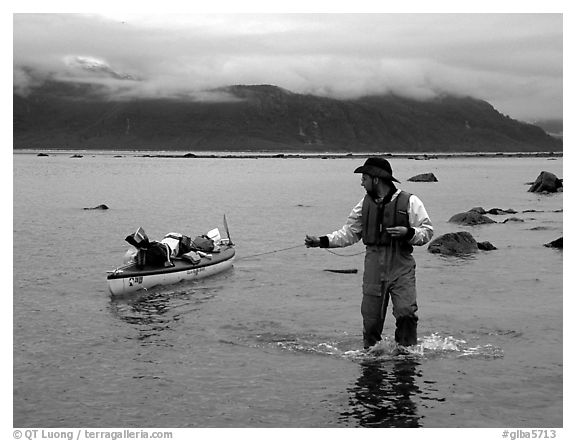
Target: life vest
{"type": "Point", "coordinates": [387, 258]}
{"type": "Point", "coordinates": [377, 217]}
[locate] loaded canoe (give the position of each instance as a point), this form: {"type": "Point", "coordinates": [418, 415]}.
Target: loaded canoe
{"type": "Point", "coordinates": [129, 278]}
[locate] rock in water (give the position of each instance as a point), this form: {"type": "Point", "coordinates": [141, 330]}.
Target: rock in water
{"type": "Point", "coordinates": [486, 246]}
{"type": "Point", "coordinates": [546, 183]}
{"type": "Point", "coordinates": [461, 242]}
{"type": "Point", "coordinates": [513, 219]}
{"type": "Point", "coordinates": [99, 207]}
{"type": "Point", "coordinates": [424, 177]}
{"type": "Point", "coordinates": [499, 211]}
{"type": "Point", "coordinates": [558, 243]}
{"type": "Point", "coordinates": [471, 218]}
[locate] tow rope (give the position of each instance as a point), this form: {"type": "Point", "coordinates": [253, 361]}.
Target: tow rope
{"type": "Point", "coordinates": [293, 247]}
{"type": "Point", "coordinates": [270, 252]}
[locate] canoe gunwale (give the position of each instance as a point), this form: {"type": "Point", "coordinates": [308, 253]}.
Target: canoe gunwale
{"type": "Point", "coordinates": [129, 280]}
{"type": "Point", "coordinates": [179, 265]}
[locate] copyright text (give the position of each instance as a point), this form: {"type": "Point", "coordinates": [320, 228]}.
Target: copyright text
{"type": "Point", "coordinates": [87, 434]}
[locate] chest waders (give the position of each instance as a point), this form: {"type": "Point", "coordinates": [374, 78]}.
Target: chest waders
{"type": "Point", "coordinates": [389, 272]}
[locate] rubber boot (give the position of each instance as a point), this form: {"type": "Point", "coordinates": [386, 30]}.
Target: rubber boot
{"type": "Point", "coordinates": [406, 334]}
{"type": "Point", "coordinates": [372, 332]}
{"type": "Point", "coordinates": [373, 315]}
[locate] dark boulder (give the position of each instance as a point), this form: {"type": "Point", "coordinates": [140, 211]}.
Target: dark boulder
{"type": "Point", "coordinates": [513, 219]}
{"type": "Point", "coordinates": [424, 177]}
{"type": "Point", "coordinates": [458, 243]}
{"type": "Point", "coordinates": [98, 207]}
{"type": "Point", "coordinates": [42, 154]}
{"type": "Point", "coordinates": [471, 218]}
{"type": "Point", "coordinates": [76, 156]}
{"type": "Point", "coordinates": [486, 246]}
{"type": "Point", "coordinates": [498, 211]}
{"type": "Point", "coordinates": [546, 183]}
{"type": "Point", "coordinates": [558, 243]}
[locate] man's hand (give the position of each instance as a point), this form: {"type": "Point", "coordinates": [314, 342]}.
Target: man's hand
{"type": "Point", "coordinates": [312, 241]}
{"type": "Point", "coordinates": [397, 231]}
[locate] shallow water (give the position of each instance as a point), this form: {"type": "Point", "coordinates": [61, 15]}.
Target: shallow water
{"type": "Point", "coordinates": [275, 342]}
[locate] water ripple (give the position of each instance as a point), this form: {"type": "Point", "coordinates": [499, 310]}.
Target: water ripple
{"type": "Point", "coordinates": [429, 347]}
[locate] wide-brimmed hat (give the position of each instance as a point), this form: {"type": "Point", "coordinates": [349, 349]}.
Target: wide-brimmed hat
{"type": "Point", "coordinates": [378, 167]}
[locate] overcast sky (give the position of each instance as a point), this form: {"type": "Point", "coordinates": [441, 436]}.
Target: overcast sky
{"type": "Point", "coordinates": [513, 61]}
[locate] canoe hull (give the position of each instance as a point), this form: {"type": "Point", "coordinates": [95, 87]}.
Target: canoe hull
{"type": "Point", "coordinates": [130, 279]}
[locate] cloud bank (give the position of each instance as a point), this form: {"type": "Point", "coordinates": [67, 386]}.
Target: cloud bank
{"type": "Point", "coordinates": [514, 61]}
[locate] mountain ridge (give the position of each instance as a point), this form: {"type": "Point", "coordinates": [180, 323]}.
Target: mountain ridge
{"type": "Point", "coordinates": [265, 117]}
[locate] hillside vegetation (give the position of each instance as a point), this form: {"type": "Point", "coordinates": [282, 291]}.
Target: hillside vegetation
{"type": "Point", "coordinates": [267, 118]}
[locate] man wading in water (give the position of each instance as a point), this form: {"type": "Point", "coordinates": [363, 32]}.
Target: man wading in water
{"type": "Point", "coordinates": [389, 222]}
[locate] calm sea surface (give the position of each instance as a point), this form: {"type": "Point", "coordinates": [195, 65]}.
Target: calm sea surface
{"type": "Point", "coordinates": [275, 342]}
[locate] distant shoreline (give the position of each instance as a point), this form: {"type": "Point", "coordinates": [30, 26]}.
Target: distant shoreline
{"type": "Point", "coordinates": [270, 155]}
{"type": "Point", "coordinates": [424, 156]}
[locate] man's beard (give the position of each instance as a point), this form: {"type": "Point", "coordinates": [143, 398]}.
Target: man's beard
{"type": "Point", "coordinates": [374, 194]}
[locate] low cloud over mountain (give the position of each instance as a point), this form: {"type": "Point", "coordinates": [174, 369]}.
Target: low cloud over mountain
{"type": "Point", "coordinates": [264, 117]}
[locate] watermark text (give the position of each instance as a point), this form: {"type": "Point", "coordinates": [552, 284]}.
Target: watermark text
{"type": "Point", "coordinates": [515, 434]}
{"type": "Point", "coordinates": [89, 434]}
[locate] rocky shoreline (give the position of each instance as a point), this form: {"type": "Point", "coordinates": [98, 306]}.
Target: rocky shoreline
{"type": "Point", "coordinates": [294, 155]}
{"type": "Point", "coordinates": [424, 156]}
